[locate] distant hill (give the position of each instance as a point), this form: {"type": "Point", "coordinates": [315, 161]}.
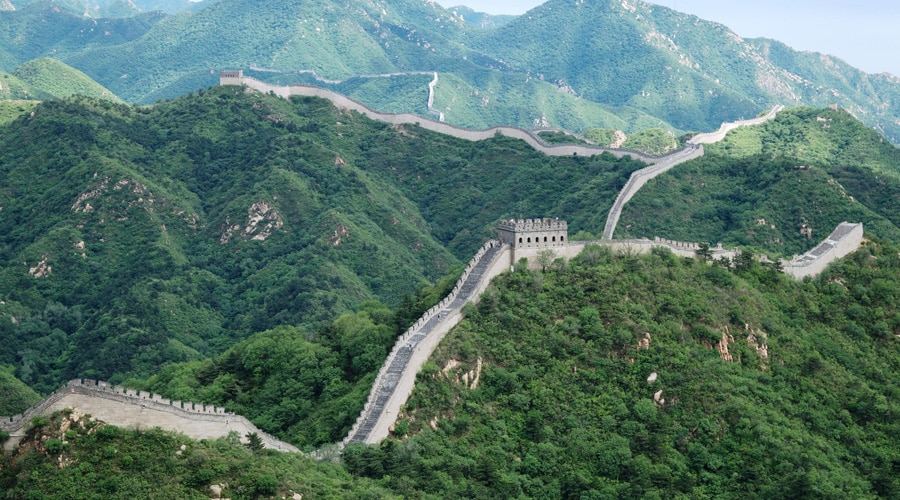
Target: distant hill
{"type": "Point", "coordinates": [632, 57]}
{"type": "Point", "coordinates": [46, 30]}
{"type": "Point", "coordinates": [52, 78]}
{"type": "Point", "coordinates": [14, 88]}
{"type": "Point", "coordinates": [117, 8]}
{"type": "Point", "coordinates": [480, 19]}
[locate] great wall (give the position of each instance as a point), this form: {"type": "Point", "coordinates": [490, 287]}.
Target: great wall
{"type": "Point", "coordinates": [518, 239]}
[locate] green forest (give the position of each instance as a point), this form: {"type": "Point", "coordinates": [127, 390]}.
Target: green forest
{"type": "Point", "coordinates": [263, 254]}
{"type": "Point", "coordinates": [613, 376]}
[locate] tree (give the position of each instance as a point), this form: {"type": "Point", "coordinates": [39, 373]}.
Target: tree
{"type": "Point", "coordinates": [704, 252]}
{"type": "Point", "coordinates": [254, 442]}
{"type": "Point", "coordinates": [545, 258]}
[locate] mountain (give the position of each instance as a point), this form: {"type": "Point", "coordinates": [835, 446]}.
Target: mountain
{"type": "Point", "coordinates": [595, 57]}
{"type": "Point", "coordinates": [54, 79]}
{"type": "Point", "coordinates": [480, 19]}
{"type": "Point", "coordinates": [46, 30]}
{"type": "Point", "coordinates": [117, 8]}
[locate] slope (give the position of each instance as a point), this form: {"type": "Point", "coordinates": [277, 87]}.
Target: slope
{"type": "Point", "coordinates": [13, 88]}
{"type": "Point", "coordinates": [54, 78]}
{"type": "Point", "coordinates": [687, 71]}
{"type": "Point", "coordinates": [15, 396]}
{"type": "Point", "coordinates": [151, 238]}
{"type": "Point", "coordinates": [45, 30]}
{"type": "Point", "coordinates": [335, 40]}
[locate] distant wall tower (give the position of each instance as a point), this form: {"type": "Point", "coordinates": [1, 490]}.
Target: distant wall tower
{"type": "Point", "coordinates": [533, 233]}
{"type": "Point", "coordinates": [231, 77]}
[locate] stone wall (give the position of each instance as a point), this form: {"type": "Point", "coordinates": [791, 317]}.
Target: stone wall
{"type": "Point", "coordinates": [694, 150]}
{"type": "Point", "coordinates": [344, 102]}
{"type": "Point", "coordinates": [845, 239]}
{"type": "Point", "coordinates": [718, 135]}
{"type": "Point", "coordinates": [132, 409]}
{"type": "Point", "coordinates": [395, 379]}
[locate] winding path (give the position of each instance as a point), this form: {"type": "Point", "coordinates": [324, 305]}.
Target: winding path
{"type": "Point", "coordinates": [343, 102]}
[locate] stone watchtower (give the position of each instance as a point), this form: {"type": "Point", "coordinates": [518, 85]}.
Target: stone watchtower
{"type": "Point", "coordinates": [533, 233]}
{"type": "Point", "coordinates": [231, 77]}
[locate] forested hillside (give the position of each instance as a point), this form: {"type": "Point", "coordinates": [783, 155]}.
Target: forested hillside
{"type": "Point", "coordinates": [135, 237]}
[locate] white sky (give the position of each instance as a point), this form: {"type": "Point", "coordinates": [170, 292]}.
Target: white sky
{"type": "Point", "coordinates": [865, 33]}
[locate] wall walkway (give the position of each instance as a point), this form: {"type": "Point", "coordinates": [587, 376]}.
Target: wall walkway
{"type": "Point", "coordinates": [397, 376]}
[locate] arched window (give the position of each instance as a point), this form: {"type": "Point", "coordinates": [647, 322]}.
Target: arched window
{"type": "Point", "coordinates": [545, 239]}
{"type": "Point", "coordinates": [520, 239]}
{"type": "Point", "coordinates": [529, 240]}
{"type": "Point", "coordinates": [562, 238]}
{"type": "Point", "coordinates": [554, 238]}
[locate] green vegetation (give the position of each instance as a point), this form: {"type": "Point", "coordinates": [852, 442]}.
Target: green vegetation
{"type": "Point", "coordinates": [14, 89]}
{"type": "Point", "coordinates": [10, 110]}
{"type": "Point", "coordinates": [560, 138]}
{"type": "Point", "coordinates": [777, 187]}
{"type": "Point", "coordinates": [654, 141]}
{"type": "Point", "coordinates": [577, 65]}
{"type": "Point", "coordinates": [600, 136]}
{"type": "Point", "coordinates": [259, 253]}
{"type": "Point", "coordinates": [15, 396]}
{"type": "Point", "coordinates": [103, 461]}
{"type": "Point", "coordinates": [765, 388]}
{"type": "Point", "coordinates": [803, 404]}
{"type": "Point", "coordinates": [304, 388]}
{"type": "Point", "coordinates": [53, 78]}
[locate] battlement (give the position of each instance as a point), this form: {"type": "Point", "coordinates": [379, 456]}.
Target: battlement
{"type": "Point", "coordinates": [545, 224]}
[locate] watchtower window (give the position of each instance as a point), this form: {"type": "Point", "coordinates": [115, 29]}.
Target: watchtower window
{"type": "Point", "coordinates": [554, 238]}
{"type": "Point", "coordinates": [529, 240]}
{"type": "Point", "coordinates": [562, 238]}
{"type": "Point", "coordinates": [520, 240]}
{"type": "Point", "coordinates": [545, 239]}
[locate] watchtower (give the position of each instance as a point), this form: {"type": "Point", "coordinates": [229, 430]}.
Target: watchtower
{"type": "Point", "coordinates": [231, 77]}
{"type": "Point", "coordinates": [533, 233]}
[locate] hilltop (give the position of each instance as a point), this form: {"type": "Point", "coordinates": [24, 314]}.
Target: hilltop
{"type": "Point", "coordinates": [52, 79]}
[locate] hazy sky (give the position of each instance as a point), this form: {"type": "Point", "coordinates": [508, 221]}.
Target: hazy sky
{"type": "Point", "coordinates": [865, 33]}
